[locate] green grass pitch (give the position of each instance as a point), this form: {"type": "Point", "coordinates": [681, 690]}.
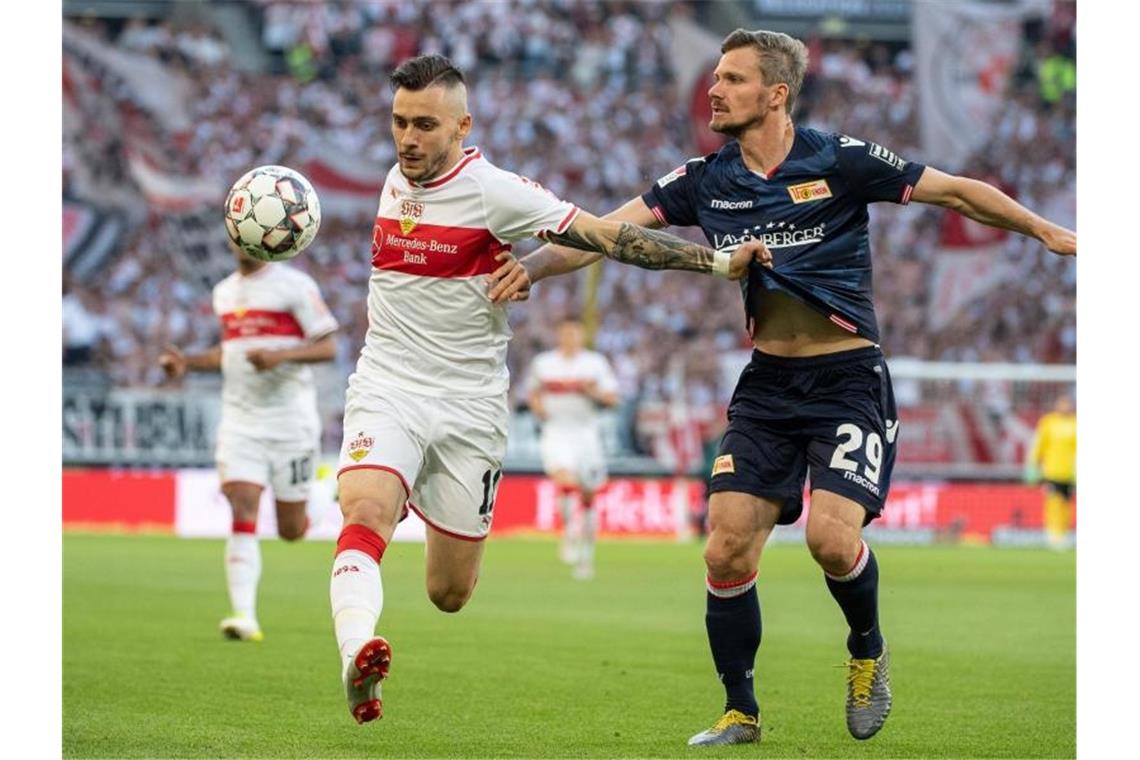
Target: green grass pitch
{"type": "Point", "coordinates": [539, 665]}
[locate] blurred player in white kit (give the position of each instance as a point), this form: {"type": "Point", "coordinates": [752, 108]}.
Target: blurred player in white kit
{"type": "Point", "coordinates": [425, 421]}
{"type": "Point", "coordinates": [274, 322]}
{"type": "Point", "coordinates": [565, 387]}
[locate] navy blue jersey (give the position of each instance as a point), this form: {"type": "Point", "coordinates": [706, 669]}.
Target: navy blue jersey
{"type": "Point", "coordinates": [811, 212]}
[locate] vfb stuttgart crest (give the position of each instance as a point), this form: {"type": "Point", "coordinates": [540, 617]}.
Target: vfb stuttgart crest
{"type": "Point", "coordinates": [410, 213]}
{"type": "Point", "coordinates": [359, 446]}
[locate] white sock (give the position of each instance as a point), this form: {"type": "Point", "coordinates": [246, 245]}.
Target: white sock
{"type": "Point", "coordinates": [243, 570]}
{"type": "Point", "coordinates": [566, 504]}
{"type": "Point", "coordinates": [357, 597]}
{"type": "Point", "coordinates": [589, 527]}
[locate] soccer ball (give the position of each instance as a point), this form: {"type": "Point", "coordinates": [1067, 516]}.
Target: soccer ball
{"type": "Point", "coordinates": [272, 213]}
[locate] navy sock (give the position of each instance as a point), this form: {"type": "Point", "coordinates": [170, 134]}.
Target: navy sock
{"type": "Point", "coordinates": [858, 597]}
{"type": "Point", "coordinates": [733, 626]}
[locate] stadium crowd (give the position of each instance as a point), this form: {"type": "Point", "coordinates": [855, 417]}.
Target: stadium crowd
{"type": "Point", "coordinates": [576, 95]}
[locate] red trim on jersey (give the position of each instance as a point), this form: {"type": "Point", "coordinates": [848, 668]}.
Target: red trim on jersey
{"type": "Point", "coordinates": [434, 250]}
{"type": "Point", "coordinates": [244, 527]}
{"type": "Point", "coordinates": [657, 212]}
{"type": "Point", "coordinates": [732, 584]}
{"type": "Point", "coordinates": [470, 154]}
{"type": "Point", "coordinates": [843, 323]}
{"type": "Point", "coordinates": [254, 323]}
{"type": "Point", "coordinates": [906, 194]}
{"type": "Point", "coordinates": [397, 473]}
{"type": "Point", "coordinates": [564, 386]}
{"type": "Point", "coordinates": [444, 531]}
{"type": "Point", "coordinates": [566, 220]}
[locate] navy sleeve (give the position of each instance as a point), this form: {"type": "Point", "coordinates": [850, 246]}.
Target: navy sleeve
{"type": "Point", "coordinates": [874, 173]}
{"type": "Point", "coordinates": [673, 198]}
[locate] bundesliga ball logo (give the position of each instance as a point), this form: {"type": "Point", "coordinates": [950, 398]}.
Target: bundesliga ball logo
{"type": "Point", "coordinates": [272, 213]}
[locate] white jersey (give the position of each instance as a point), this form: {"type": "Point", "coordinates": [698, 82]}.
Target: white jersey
{"type": "Point", "coordinates": [432, 330]}
{"type": "Point", "coordinates": [561, 380]}
{"type": "Point", "coordinates": [275, 307]}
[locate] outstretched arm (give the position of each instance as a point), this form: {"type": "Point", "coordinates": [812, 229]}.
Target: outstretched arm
{"type": "Point", "coordinates": [321, 350]}
{"type": "Point", "coordinates": [175, 363]}
{"type": "Point", "coordinates": [651, 249]}
{"type": "Point", "coordinates": [512, 280]}
{"type": "Point", "coordinates": [984, 203]}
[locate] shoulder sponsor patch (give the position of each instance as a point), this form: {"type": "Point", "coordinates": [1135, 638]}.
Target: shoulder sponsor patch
{"type": "Point", "coordinates": [723, 465]}
{"type": "Point", "coordinates": [671, 176]}
{"type": "Point", "coordinates": [806, 192]}
{"type": "Point", "coordinates": [886, 156]}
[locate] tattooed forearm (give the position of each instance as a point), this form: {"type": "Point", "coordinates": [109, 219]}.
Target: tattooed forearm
{"type": "Point", "coordinates": [585, 240]}
{"type": "Point", "coordinates": [651, 249]}
{"type": "Point", "coordinates": [645, 248]}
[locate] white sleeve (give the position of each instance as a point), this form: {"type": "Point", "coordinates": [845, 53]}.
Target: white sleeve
{"type": "Point", "coordinates": [533, 376]}
{"type": "Point", "coordinates": [519, 208]}
{"type": "Point", "coordinates": [606, 379]}
{"type": "Point", "coordinates": [310, 309]}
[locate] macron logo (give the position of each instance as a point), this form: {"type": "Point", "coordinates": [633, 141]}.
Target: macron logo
{"type": "Point", "coordinates": [346, 569]}
{"type": "Point", "coordinates": [730, 205]}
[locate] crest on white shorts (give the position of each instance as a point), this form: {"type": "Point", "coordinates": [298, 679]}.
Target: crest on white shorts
{"type": "Point", "coordinates": [359, 446]}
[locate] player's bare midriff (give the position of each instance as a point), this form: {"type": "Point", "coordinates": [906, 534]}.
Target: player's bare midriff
{"type": "Point", "coordinates": [784, 326]}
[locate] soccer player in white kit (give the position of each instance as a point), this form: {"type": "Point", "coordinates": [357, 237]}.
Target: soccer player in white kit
{"type": "Point", "coordinates": [425, 421]}
{"type": "Point", "coordinates": [565, 387]}
{"type": "Point", "coordinates": [274, 322]}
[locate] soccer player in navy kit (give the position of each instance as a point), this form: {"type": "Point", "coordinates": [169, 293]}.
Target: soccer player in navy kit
{"type": "Point", "coordinates": [817, 394]}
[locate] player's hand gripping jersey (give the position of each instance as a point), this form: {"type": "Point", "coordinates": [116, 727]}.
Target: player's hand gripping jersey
{"type": "Point", "coordinates": [276, 307]}
{"type": "Point", "coordinates": [431, 328]}
{"type": "Point", "coordinates": [811, 212]}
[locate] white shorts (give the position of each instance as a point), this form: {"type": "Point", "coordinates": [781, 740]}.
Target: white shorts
{"type": "Point", "coordinates": [447, 451]}
{"type": "Point", "coordinates": [288, 468]}
{"type": "Point", "coordinates": [577, 450]}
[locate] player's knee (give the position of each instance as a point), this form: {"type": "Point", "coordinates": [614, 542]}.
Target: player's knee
{"type": "Point", "coordinates": [832, 553]}
{"type": "Point", "coordinates": [726, 555]}
{"type": "Point", "coordinates": [243, 504]}
{"type": "Point", "coordinates": [448, 598]}
{"type": "Point", "coordinates": [291, 532]}
{"type": "Point", "coordinates": [364, 510]}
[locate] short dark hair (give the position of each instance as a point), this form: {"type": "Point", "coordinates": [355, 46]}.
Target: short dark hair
{"type": "Point", "coordinates": [423, 71]}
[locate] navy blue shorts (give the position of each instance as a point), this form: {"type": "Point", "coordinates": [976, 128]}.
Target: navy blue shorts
{"type": "Point", "coordinates": [834, 413]}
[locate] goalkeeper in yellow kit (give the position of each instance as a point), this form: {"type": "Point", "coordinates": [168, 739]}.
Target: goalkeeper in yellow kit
{"type": "Point", "coordinates": [1053, 459]}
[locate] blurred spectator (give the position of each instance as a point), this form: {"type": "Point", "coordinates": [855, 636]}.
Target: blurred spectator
{"type": "Point", "coordinates": [576, 95]}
